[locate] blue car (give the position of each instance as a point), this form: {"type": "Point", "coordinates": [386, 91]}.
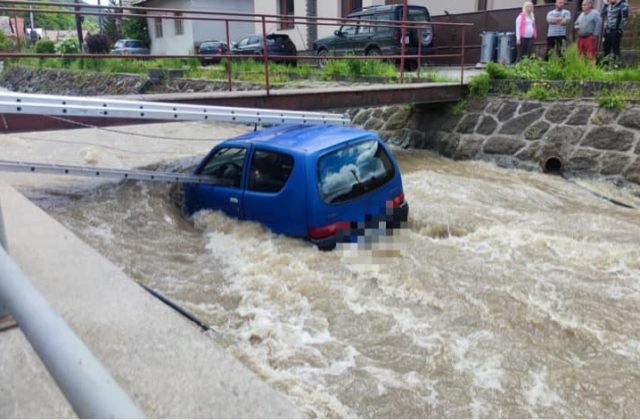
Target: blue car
{"type": "Point", "coordinates": [327, 184]}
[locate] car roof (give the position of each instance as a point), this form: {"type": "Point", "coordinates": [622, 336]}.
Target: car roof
{"type": "Point", "coordinates": [304, 138]}
{"type": "Point", "coordinates": [372, 10]}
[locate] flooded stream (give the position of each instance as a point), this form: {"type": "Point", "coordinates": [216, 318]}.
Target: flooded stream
{"type": "Point", "coordinates": [512, 294]}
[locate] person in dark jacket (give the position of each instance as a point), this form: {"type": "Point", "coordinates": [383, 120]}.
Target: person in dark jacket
{"type": "Point", "coordinates": [615, 16]}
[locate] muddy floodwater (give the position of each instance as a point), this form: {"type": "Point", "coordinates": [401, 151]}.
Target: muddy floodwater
{"type": "Point", "coordinates": [511, 294]}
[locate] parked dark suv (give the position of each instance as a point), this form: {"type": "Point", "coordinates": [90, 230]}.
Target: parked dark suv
{"type": "Point", "coordinates": [278, 44]}
{"type": "Point", "coordinates": [363, 39]}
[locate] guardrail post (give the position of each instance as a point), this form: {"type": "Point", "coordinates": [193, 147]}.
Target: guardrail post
{"type": "Point", "coordinates": [462, 54]}
{"type": "Point", "coordinates": [265, 53]}
{"type": "Point", "coordinates": [3, 244]}
{"type": "Point", "coordinates": [229, 53]}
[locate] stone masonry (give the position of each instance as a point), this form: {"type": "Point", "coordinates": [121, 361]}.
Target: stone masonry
{"type": "Point", "coordinates": [589, 140]}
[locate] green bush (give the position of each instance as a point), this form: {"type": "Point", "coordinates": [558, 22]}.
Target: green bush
{"type": "Point", "coordinates": [45, 46]}
{"type": "Point", "coordinates": [67, 46]}
{"type": "Point", "coordinates": [612, 100]}
{"type": "Point", "coordinates": [543, 92]}
{"type": "Point", "coordinates": [497, 71]}
{"type": "Point", "coordinates": [6, 44]}
{"type": "Point", "coordinates": [480, 86]}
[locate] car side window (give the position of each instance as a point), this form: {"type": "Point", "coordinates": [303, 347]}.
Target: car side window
{"type": "Point", "coordinates": [365, 27]}
{"type": "Point", "coordinates": [349, 29]}
{"type": "Point", "coordinates": [254, 40]}
{"type": "Point", "coordinates": [225, 166]}
{"type": "Point", "coordinates": [243, 42]}
{"type": "Point", "coordinates": [270, 171]}
{"type": "Point", "coordinates": [384, 17]}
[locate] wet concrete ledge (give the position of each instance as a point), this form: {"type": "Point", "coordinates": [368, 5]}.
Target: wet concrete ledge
{"type": "Point", "coordinates": [164, 362]}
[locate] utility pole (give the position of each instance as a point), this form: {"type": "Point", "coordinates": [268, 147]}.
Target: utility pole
{"type": "Point", "coordinates": [100, 18]}
{"type": "Point", "coordinates": [79, 26]}
{"type": "Point", "coordinates": [31, 16]}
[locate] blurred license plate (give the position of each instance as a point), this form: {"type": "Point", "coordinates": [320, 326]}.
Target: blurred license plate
{"type": "Point", "coordinates": [406, 39]}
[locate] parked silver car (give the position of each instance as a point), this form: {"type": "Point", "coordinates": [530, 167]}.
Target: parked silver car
{"type": "Point", "coordinates": [129, 46]}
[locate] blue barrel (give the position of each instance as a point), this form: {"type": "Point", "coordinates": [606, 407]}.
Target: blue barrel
{"type": "Point", "coordinates": [507, 50]}
{"type": "Point", "coordinates": [488, 48]}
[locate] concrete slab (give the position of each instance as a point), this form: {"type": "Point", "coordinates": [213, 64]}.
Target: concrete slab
{"type": "Point", "coordinates": [164, 362]}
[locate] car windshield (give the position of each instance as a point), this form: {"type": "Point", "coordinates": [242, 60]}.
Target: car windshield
{"type": "Point", "coordinates": [211, 45]}
{"type": "Point", "coordinates": [353, 171]}
{"type": "Point", "coordinates": [119, 44]}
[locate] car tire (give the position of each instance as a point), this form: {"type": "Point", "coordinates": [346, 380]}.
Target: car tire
{"type": "Point", "coordinates": [373, 52]}
{"type": "Point", "coordinates": [323, 60]}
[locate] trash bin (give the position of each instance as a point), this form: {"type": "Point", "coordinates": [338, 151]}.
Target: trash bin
{"type": "Point", "coordinates": [488, 48]}
{"type": "Point", "coordinates": [507, 51]}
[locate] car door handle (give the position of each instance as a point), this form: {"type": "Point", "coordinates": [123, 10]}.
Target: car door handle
{"type": "Point", "coordinates": [233, 200]}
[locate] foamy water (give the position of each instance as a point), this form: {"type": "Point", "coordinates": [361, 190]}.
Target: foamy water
{"type": "Point", "coordinates": [512, 294]}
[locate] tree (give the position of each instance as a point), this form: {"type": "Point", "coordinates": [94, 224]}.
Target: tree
{"type": "Point", "coordinates": [112, 24]}
{"type": "Point", "coordinates": [136, 28]}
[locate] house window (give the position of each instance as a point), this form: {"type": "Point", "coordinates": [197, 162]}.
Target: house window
{"type": "Point", "coordinates": [287, 12]}
{"type": "Point", "coordinates": [179, 24]}
{"type": "Point", "coordinates": [158, 25]}
{"type": "Point", "coordinates": [348, 6]}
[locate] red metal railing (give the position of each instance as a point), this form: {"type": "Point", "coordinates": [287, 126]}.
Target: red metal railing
{"type": "Point", "coordinates": [232, 17]}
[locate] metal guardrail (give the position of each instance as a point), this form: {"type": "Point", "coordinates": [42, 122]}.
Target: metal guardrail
{"type": "Point", "coordinates": [86, 384]}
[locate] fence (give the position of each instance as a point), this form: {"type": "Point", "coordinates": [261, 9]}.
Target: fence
{"type": "Point", "coordinates": [403, 28]}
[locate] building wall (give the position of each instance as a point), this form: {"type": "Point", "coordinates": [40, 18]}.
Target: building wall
{"type": "Point", "coordinates": [170, 43]}
{"type": "Point", "coordinates": [195, 32]}
{"type": "Point", "coordinates": [216, 30]}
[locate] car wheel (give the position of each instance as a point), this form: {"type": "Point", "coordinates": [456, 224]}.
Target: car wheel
{"type": "Point", "coordinates": [373, 52]}
{"type": "Point", "coordinates": [323, 60]}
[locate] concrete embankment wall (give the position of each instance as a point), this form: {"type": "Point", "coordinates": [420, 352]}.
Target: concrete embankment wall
{"type": "Point", "coordinates": [520, 133]}
{"type": "Point", "coordinates": [166, 364]}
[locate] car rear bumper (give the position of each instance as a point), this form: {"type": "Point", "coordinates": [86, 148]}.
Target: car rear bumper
{"type": "Point", "coordinates": [395, 219]}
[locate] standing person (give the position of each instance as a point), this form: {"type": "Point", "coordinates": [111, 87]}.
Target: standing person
{"type": "Point", "coordinates": [588, 30]}
{"type": "Point", "coordinates": [615, 16]}
{"type": "Point", "coordinates": [526, 32]}
{"type": "Point", "coordinates": [558, 20]}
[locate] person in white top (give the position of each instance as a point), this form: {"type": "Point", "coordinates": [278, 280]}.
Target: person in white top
{"type": "Point", "coordinates": [526, 31]}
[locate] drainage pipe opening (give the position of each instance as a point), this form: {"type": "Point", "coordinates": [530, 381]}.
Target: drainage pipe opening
{"type": "Point", "coordinates": [552, 165]}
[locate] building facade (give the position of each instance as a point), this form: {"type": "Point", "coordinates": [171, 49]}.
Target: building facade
{"type": "Point", "coordinates": [182, 37]}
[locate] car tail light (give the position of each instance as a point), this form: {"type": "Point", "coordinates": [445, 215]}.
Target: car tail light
{"type": "Point", "coordinates": [219, 50]}
{"type": "Point", "coordinates": [328, 230]}
{"type": "Point", "coordinates": [398, 200]}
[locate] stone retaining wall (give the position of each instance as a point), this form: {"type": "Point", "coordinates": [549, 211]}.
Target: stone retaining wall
{"type": "Point", "coordinates": [589, 140]}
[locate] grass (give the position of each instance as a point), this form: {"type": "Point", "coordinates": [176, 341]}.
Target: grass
{"type": "Point", "coordinates": [572, 70]}
{"type": "Point", "coordinates": [572, 67]}
{"type": "Point", "coordinates": [241, 70]}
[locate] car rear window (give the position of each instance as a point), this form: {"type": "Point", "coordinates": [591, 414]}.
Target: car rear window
{"type": "Point", "coordinates": [353, 171]}
{"type": "Point", "coordinates": [135, 44]}
{"type": "Point", "coordinates": [211, 45]}
{"type": "Point", "coordinates": [269, 171]}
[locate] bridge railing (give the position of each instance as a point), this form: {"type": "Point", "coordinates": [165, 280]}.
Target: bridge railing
{"type": "Point", "coordinates": [261, 22]}
{"type": "Point", "coordinates": [86, 384]}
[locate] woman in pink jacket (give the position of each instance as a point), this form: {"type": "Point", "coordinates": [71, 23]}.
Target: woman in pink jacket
{"type": "Point", "coordinates": [526, 32]}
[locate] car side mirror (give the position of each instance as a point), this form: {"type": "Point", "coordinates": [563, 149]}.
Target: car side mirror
{"type": "Point", "coordinates": [337, 32]}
